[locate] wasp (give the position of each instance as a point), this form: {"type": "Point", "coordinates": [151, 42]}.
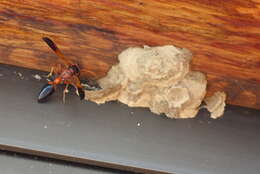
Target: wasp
{"type": "Point", "coordinates": [67, 73]}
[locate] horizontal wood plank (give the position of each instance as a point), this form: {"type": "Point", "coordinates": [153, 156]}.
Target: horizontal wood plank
{"type": "Point", "coordinates": [223, 35]}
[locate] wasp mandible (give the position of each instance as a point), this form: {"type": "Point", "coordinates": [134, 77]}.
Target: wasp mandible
{"type": "Point", "coordinates": [68, 75]}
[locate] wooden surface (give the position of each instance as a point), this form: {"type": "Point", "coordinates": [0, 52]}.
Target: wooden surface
{"type": "Point", "coordinates": [223, 35]}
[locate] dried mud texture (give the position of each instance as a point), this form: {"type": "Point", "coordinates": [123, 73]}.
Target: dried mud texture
{"type": "Point", "coordinates": [216, 104]}
{"type": "Point", "coordinates": [155, 77]}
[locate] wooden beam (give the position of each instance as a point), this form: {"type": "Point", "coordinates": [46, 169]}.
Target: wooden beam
{"type": "Point", "coordinates": [223, 35]}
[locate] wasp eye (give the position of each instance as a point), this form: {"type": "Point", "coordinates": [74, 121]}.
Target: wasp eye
{"type": "Point", "coordinates": [75, 69]}
{"type": "Point", "coordinates": [46, 91]}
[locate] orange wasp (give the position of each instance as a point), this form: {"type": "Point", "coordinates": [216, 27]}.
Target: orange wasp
{"type": "Point", "coordinates": [68, 75]}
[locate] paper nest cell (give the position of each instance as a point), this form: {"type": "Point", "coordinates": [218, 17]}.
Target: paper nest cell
{"type": "Point", "coordinates": [155, 77]}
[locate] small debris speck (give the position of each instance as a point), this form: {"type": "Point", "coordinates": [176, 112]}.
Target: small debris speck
{"type": "Point", "coordinates": [132, 113]}
{"type": "Point", "coordinates": [138, 124]}
{"type": "Point", "coordinates": [32, 166]}
{"type": "Point", "coordinates": [1, 75]}
{"type": "Point", "coordinates": [37, 77]}
{"type": "Point", "coordinates": [45, 126]}
{"type": "Point", "coordinates": [20, 74]}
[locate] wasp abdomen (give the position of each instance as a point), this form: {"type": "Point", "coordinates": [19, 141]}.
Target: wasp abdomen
{"type": "Point", "coordinates": [46, 91]}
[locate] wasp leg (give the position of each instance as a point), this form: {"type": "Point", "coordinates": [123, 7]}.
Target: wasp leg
{"type": "Point", "coordinates": [51, 72]}
{"type": "Point", "coordinates": [55, 70]}
{"type": "Point", "coordinates": [64, 93]}
{"type": "Point", "coordinates": [74, 81]}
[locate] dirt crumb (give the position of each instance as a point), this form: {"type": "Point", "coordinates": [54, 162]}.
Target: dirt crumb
{"type": "Point", "coordinates": [37, 77]}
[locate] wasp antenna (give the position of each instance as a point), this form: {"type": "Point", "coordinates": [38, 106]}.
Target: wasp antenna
{"type": "Point", "coordinates": [51, 44]}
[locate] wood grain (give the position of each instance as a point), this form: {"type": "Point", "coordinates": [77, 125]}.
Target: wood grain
{"type": "Point", "coordinates": [223, 35]}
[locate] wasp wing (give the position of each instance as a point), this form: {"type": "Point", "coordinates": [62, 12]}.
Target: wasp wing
{"type": "Point", "coordinates": [57, 51]}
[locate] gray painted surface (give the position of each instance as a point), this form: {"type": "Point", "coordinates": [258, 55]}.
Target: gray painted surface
{"type": "Point", "coordinates": [13, 163]}
{"type": "Point", "coordinates": [110, 132]}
